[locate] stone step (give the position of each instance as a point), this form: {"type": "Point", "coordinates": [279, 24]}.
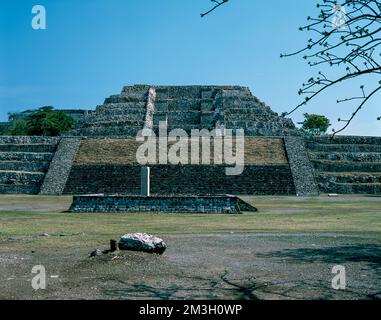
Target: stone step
{"type": "Point", "coordinates": [178, 117]}
{"type": "Point", "coordinates": [254, 126]}
{"type": "Point", "coordinates": [347, 156]}
{"type": "Point", "coordinates": [115, 114]}
{"type": "Point", "coordinates": [136, 106]}
{"type": "Point", "coordinates": [351, 188]}
{"type": "Point", "coordinates": [24, 166]}
{"type": "Point", "coordinates": [348, 177]}
{"type": "Point", "coordinates": [21, 177]}
{"type": "Point", "coordinates": [19, 189]}
{"type": "Point", "coordinates": [188, 92]}
{"type": "Point", "coordinates": [181, 104]}
{"type": "Point", "coordinates": [346, 166]}
{"type": "Point", "coordinates": [43, 148]}
{"type": "Point", "coordinates": [187, 128]}
{"type": "Point", "coordinates": [248, 103]}
{"type": "Point", "coordinates": [268, 132]}
{"type": "Point", "coordinates": [28, 140]}
{"type": "Point", "coordinates": [121, 112]}
{"type": "Point", "coordinates": [136, 89]}
{"type": "Point", "coordinates": [225, 91]}
{"type": "Point", "coordinates": [347, 140]}
{"type": "Point", "coordinates": [126, 98]}
{"type": "Point", "coordinates": [195, 92]}
{"type": "Point", "coordinates": [238, 92]}
{"type": "Point", "coordinates": [106, 122]}
{"type": "Point", "coordinates": [96, 131]}
{"type": "Point", "coordinates": [114, 121]}
{"type": "Point", "coordinates": [343, 147]}
{"type": "Point", "coordinates": [251, 123]}
{"type": "Point", "coordinates": [26, 156]}
{"type": "Point", "coordinates": [251, 112]}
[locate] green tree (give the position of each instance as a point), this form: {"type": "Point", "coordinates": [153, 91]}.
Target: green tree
{"type": "Point", "coordinates": [44, 121]}
{"type": "Point", "coordinates": [12, 116]}
{"type": "Point", "coordinates": [17, 128]}
{"type": "Point", "coordinates": [315, 124]}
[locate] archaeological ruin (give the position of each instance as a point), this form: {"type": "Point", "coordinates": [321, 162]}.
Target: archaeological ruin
{"type": "Point", "coordinates": [98, 156]}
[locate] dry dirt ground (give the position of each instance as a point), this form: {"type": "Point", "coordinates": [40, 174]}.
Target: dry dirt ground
{"type": "Point", "coordinates": [208, 265]}
{"type": "Point", "coordinates": [215, 266]}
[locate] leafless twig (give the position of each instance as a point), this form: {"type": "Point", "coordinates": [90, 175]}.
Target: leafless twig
{"type": "Point", "coordinates": [347, 38]}
{"type": "Point", "coordinates": [217, 4]}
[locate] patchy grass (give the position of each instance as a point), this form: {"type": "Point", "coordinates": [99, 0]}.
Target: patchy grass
{"type": "Point", "coordinates": [258, 150]}
{"type": "Point", "coordinates": [24, 218]}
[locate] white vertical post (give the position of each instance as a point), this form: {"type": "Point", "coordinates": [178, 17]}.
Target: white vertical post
{"type": "Point", "coordinates": [145, 181]}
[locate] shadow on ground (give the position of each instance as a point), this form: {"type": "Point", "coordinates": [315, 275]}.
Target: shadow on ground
{"type": "Point", "coordinates": [206, 289]}
{"type": "Point", "coordinates": [369, 254]}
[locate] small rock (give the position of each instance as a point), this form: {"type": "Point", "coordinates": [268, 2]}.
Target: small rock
{"type": "Point", "coordinates": [44, 234]}
{"type": "Point", "coordinates": [142, 242]}
{"type": "Point", "coordinates": [95, 253]}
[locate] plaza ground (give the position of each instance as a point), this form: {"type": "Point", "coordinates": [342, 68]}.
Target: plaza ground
{"type": "Point", "coordinates": [286, 250]}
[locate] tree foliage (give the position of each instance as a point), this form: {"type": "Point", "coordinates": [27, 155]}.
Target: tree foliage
{"type": "Point", "coordinates": [44, 121]}
{"type": "Point", "coordinates": [17, 127]}
{"type": "Point", "coordinates": [315, 124]}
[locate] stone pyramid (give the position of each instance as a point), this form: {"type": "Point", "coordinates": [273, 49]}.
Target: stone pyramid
{"type": "Point", "coordinates": [184, 107]}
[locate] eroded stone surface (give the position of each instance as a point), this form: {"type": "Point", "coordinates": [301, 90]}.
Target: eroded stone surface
{"type": "Point", "coordinates": [142, 242]}
{"type": "Point", "coordinates": [219, 204]}
{"type": "Point", "coordinates": [184, 107]}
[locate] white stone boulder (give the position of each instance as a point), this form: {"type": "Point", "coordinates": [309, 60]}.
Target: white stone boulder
{"type": "Point", "coordinates": [142, 242]}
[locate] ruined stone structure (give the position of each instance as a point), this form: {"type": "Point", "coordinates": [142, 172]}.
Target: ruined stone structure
{"type": "Point", "coordinates": [60, 167]}
{"type": "Point", "coordinates": [99, 155]}
{"type": "Point", "coordinates": [109, 166]}
{"type": "Point", "coordinates": [185, 107]}
{"type": "Point", "coordinates": [178, 204]}
{"type": "Point", "coordinates": [347, 164]}
{"type": "Point", "coordinates": [24, 162]}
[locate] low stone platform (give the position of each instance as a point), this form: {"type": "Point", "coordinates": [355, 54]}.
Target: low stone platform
{"type": "Point", "coordinates": [219, 204]}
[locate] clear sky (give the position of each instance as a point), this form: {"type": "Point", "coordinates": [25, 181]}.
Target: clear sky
{"type": "Point", "coordinates": [92, 48]}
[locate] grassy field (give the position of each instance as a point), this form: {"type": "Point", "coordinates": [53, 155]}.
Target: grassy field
{"type": "Point", "coordinates": [27, 217]}
{"type": "Point", "coordinates": [286, 250]}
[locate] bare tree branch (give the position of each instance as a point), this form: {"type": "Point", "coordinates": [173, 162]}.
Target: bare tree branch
{"type": "Point", "coordinates": [348, 39]}
{"type": "Point", "coordinates": [217, 4]}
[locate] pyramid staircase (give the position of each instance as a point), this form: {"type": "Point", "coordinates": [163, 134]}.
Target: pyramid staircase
{"type": "Point", "coordinates": [347, 165]}
{"type": "Point", "coordinates": [120, 115]}
{"type": "Point", "coordinates": [24, 162]}
{"type": "Point", "coordinates": [243, 110]}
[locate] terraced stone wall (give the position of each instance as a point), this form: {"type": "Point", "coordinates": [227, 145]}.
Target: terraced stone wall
{"type": "Point", "coordinates": [24, 162]}
{"type": "Point", "coordinates": [109, 166]}
{"type": "Point", "coordinates": [347, 164]}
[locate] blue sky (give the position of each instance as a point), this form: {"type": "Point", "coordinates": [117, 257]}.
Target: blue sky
{"type": "Point", "coordinates": [92, 48]}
